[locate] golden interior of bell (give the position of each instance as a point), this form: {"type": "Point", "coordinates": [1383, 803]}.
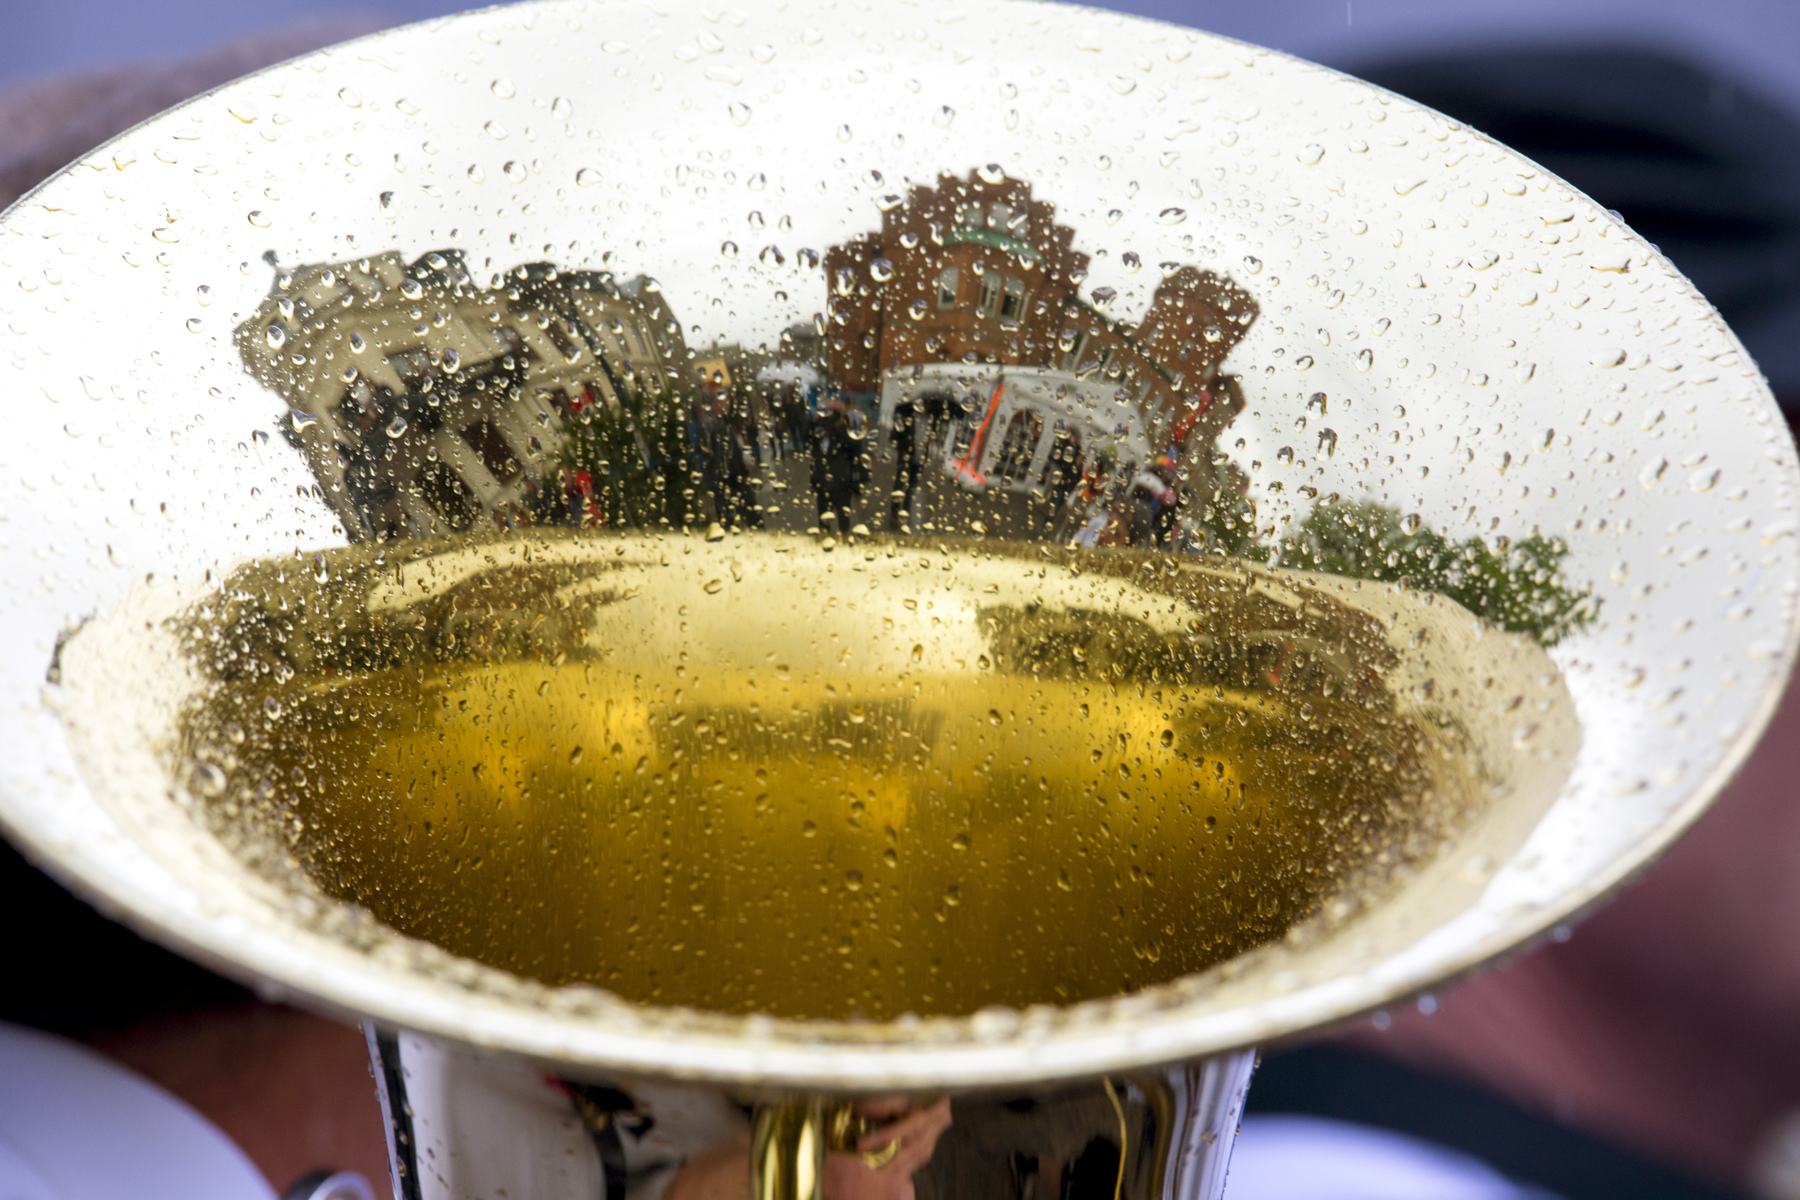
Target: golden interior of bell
{"type": "Point", "coordinates": [761, 774]}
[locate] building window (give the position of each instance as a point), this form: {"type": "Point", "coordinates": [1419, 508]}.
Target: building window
{"type": "Point", "coordinates": [448, 496]}
{"type": "Point", "coordinates": [947, 279]}
{"type": "Point", "coordinates": [990, 294]}
{"type": "Point", "coordinates": [1012, 303]}
{"type": "Point", "coordinates": [484, 437]}
{"type": "Point", "coordinates": [564, 341]}
{"type": "Point", "coordinates": [413, 367]}
{"type": "Point", "coordinates": [1072, 359]}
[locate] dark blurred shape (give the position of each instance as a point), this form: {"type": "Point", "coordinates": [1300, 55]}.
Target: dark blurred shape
{"type": "Point", "coordinates": [1707, 171]}
{"type": "Point", "coordinates": [1341, 1085]}
{"type": "Point", "coordinates": [71, 971]}
{"type": "Point", "coordinates": [44, 126]}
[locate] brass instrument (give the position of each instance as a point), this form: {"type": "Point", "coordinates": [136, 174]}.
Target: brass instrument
{"type": "Point", "coordinates": [767, 632]}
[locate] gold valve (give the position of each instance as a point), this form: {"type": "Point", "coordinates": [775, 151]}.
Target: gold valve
{"type": "Point", "coordinates": [790, 1140]}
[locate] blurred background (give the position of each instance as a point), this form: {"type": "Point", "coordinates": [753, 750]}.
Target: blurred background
{"type": "Point", "coordinates": [1653, 1052]}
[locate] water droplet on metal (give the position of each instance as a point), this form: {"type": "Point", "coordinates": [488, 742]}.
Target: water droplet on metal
{"type": "Point", "coordinates": [209, 781]}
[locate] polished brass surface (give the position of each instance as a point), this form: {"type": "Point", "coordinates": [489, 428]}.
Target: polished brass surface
{"type": "Point", "coordinates": [787, 1150]}
{"type": "Point", "coordinates": [757, 774]}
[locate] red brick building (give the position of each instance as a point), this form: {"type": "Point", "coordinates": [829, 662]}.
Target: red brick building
{"type": "Point", "coordinates": [979, 270]}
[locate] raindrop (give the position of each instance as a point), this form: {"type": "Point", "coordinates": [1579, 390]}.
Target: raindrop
{"type": "Point", "coordinates": [739, 113]}
{"type": "Point", "coordinates": [411, 288]}
{"type": "Point", "coordinates": [757, 182]}
{"type": "Point", "coordinates": [396, 427]}
{"type": "Point", "coordinates": [1310, 155]}
{"type": "Point", "coordinates": [771, 256]}
{"type": "Point", "coordinates": [561, 108]}
{"type": "Point", "coordinates": [1365, 358]}
{"type": "Point", "coordinates": [452, 360]}
{"type": "Point", "coordinates": [1653, 472]}
{"type": "Point", "coordinates": [476, 174]}
{"type": "Point", "coordinates": [1328, 439]}
{"type": "Point", "coordinates": [300, 422]}
{"type": "Point", "coordinates": [1130, 260]}
{"type": "Point", "coordinates": [504, 89]}
{"type": "Point", "coordinates": [992, 173]}
{"type": "Point", "coordinates": [843, 133]}
{"type": "Point", "coordinates": [944, 115]}
{"type": "Point", "coordinates": [357, 343]}
{"type": "Point", "coordinates": [1410, 523]}
{"type": "Point", "coordinates": [917, 310]}
{"type": "Point", "coordinates": [350, 96]}
{"type": "Point", "coordinates": [258, 218]}
{"type": "Point", "coordinates": [881, 270]}
{"type": "Point", "coordinates": [277, 337]}
{"type": "Point", "coordinates": [1172, 216]}
{"type": "Point", "coordinates": [587, 177]}
{"type": "Point", "coordinates": [406, 107]}
{"type": "Point", "coordinates": [321, 571]}
{"type": "Point", "coordinates": [196, 325]}
{"type": "Point", "coordinates": [714, 586]}
{"type": "Point", "coordinates": [1303, 363]}
{"type": "Point", "coordinates": [1253, 264]}
{"type": "Point", "coordinates": [209, 781]}
{"type": "Point", "coordinates": [1103, 298]}
{"type": "Point", "coordinates": [728, 249]}
{"type": "Point", "coordinates": [387, 201]}
{"type": "Point", "coordinates": [495, 130]}
{"type": "Point", "coordinates": [1212, 333]}
{"type": "Point", "coordinates": [1703, 480]}
{"type": "Point", "coordinates": [514, 171]}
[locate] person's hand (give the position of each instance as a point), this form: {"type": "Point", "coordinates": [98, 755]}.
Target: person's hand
{"type": "Point", "coordinates": [916, 1130]}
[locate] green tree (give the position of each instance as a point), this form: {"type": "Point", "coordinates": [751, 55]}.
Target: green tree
{"type": "Point", "coordinates": [1518, 585]}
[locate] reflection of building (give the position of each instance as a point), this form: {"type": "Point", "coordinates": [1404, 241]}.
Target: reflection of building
{"type": "Point", "coordinates": [980, 272]}
{"type": "Point", "coordinates": [425, 403]}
